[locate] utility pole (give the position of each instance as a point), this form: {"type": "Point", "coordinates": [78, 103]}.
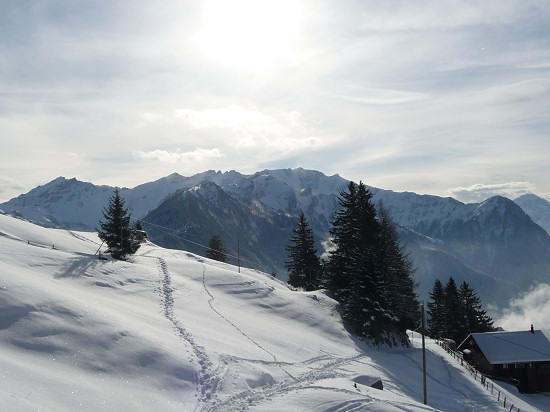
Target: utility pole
{"type": "Point", "coordinates": [424, 355]}
{"type": "Point", "coordinates": [238, 256]}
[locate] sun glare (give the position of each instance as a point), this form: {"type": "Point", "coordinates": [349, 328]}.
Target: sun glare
{"type": "Point", "coordinates": [249, 33]}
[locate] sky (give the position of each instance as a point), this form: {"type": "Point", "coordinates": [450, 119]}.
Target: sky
{"type": "Point", "coordinates": [446, 98]}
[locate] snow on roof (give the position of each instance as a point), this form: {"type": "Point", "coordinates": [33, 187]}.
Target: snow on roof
{"type": "Point", "coordinates": [513, 347]}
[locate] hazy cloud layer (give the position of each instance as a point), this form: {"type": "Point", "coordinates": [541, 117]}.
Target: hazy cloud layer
{"type": "Point", "coordinates": [197, 155]}
{"type": "Point", "coordinates": [479, 192]}
{"type": "Point", "coordinates": [530, 308]}
{"type": "Point", "coordinates": [441, 98]}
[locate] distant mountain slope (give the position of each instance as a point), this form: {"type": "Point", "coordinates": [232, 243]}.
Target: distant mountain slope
{"type": "Point", "coordinates": [493, 245]}
{"type": "Point", "coordinates": [197, 213]}
{"type": "Point", "coordinates": [537, 208]}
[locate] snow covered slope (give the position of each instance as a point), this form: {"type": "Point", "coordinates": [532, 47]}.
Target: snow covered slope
{"type": "Point", "coordinates": [170, 330]}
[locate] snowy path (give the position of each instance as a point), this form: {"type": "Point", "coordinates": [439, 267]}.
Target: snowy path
{"type": "Point", "coordinates": [210, 303]}
{"type": "Point", "coordinates": [207, 380]}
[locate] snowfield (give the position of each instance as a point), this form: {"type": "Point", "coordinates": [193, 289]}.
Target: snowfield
{"type": "Point", "coordinates": [170, 330]}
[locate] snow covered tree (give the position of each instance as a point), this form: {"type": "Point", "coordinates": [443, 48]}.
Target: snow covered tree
{"type": "Point", "coordinates": [139, 226]}
{"type": "Point", "coordinates": [304, 266]}
{"type": "Point", "coordinates": [216, 250]}
{"type": "Point", "coordinates": [367, 269]}
{"type": "Point", "coordinates": [116, 230]}
{"type": "Point", "coordinates": [378, 322]}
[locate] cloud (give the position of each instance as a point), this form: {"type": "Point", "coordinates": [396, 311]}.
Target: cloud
{"type": "Point", "coordinates": [8, 186]}
{"type": "Point", "coordinates": [532, 307]}
{"type": "Point", "coordinates": [404, 95]}
{"type": "Point", "coordinates": [480, 192]}
{"type": "Point", "coordinates": [387, 97]}
{"type": "Point", "coordinates": [197, 155]}
{"type": "Point", "coordinates": [249, 128]}
{"type": "Point", "coordinates": [233, 117]}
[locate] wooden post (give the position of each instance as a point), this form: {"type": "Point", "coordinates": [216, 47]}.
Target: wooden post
{"type": "Point", "coordinates": [424, 356]}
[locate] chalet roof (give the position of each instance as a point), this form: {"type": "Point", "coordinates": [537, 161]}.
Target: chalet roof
{"type": "Point", "coordinates": [511, 347]}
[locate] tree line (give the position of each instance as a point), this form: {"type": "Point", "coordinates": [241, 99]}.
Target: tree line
{"type": "Point", "coordinates": [455, 312]}
{"type": "Point", "coordinates": [370, 275]}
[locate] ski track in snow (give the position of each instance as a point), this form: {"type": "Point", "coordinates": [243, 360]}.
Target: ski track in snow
{"type": "Point", "coordinates": [83, 238]}
{"type": "Point", "coordinates": [321, 367]}
{"type": "Point", "coordinates": [322, 370]}
{"type": "Point", "coordinates": [207, 379]}
{"type": "Point", "coordinates": [211, 300]}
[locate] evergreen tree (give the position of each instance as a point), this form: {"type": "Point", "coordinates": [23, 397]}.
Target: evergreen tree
{"type": "Point", "coordinates": [436, 311]}
{"type": "Point", "coordinates": [453, 313]}
{"type": "Point", "coordinates": [397, 269]}
{"type": "Point", "coordinates": [475, 318]}
{"type": "Point", "coordinates": [216, 250]}
{"type": "Point", "coordinates": [456, 313]}
{"type": "Point", "coordinates": [353, 271]}
{"type": "Point", "coordinates": [138, 225]}
{"type": "Point", "coordinates": [368, 272]}
{"type": "Point", "coordinates": [304, 266]}
{"type": "Point", "coordinates": [379, 320]}
{"type": "Point", "coordinates": [344, 233]}
{"type": "Point", "coordinates": [116, 230]}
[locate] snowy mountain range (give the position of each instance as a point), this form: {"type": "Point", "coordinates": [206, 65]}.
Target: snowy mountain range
{"type": "Point", "coordinates": [494, 245]}
{"type": "Point", "coordinates": [169, 330]}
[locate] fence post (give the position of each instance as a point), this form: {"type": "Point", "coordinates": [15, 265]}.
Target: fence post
{"type": "Point", "coordinates": [499, 396]}
{"type": "Point", "coordinates": [505, 401]}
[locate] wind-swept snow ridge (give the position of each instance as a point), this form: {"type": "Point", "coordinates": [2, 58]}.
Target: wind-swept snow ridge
{"type": "Point", "coordinates": [172, 331]}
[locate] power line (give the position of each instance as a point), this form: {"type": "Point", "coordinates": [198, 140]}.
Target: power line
{"type": "Point", "coordinates": [173, 233]}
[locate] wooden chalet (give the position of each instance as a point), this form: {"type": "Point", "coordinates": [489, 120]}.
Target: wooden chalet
{"type": "Point", "coordinates": [522, 356]}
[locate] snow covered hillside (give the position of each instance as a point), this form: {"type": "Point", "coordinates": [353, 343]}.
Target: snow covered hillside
{"type": "Point", "coordinates": [170, 330]}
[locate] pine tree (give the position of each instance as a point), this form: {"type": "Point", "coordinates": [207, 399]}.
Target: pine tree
{"type": "Point", "coordinates": [352, 272]}
{"type": "Point", "coordinates": [344, 233]}
{"type": "Point", "coordinates": [456, 313]}
{"type": "Point", "coordinates": [397, 270]}
{"type": "Point", "coordinates": [116, 230]}
{"type": "Point", "coordinates": [368, 272]}
{"type": "Point", "coordinates": [304, 266]}
{"type": "Point", "coordinates": [475, 318]}
{"type": "Point", "coordinates": [216, 250]}
{"type": "Point", "coordinates": [378, 320]}
{"type": "Point", "coordinates": [453, 313]}
{"type": "Point", "coordinates": [436, 311]}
